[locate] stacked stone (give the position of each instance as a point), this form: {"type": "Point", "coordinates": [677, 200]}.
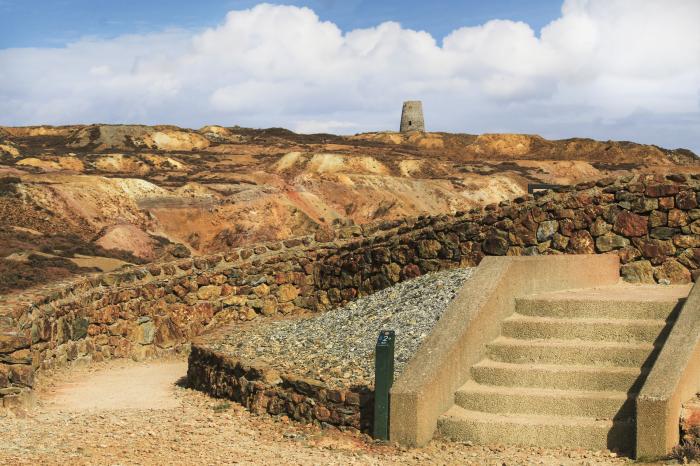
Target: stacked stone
{"type": "Point", "coordinates": [262, 389]}
{"type": "Point", "coordinates": [651, 222]}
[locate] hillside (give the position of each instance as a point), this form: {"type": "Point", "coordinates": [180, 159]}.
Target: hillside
{"type": "Point", "coordinates": [81, 198]}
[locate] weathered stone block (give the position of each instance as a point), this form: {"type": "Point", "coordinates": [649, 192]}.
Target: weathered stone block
{"type": "Point", "coordinates": [80, 328]}
{"type": "Point", "coordinates": [677, 218]}
{"type": "Point", "coordinates": [209, 292]}
{"type": "Point", "coordinates": [663, 232]}
{"type": "Point", "coordinates": [9, 343]}
{"type": "Point", "coordinates": [496, 244]}
{"type": "Point", "coordinates": [546, 230]}
{"type": "Point", "coordinates": [581, 242]}
{"type": "Point", "coordinates": [428, 249]}
{"type": "Point", "coordinates": [269, 306]}
{"type": "Point", "coordinates": [686, 200]}
{"type": "Point", "coordinates": [610, 241]}
{"type": "Point", "coordinates": [687, 241]}
{"type": "Point", "coordinates": [600, 227]}
{"type": "Point", "coordinates": [673, 271]}
{"type": "Point", "coordinates": [661, 190]}
{"type": "Point", "coordinates": [638, 272]}
{"type": "Point", "coordinates": [630, 224]}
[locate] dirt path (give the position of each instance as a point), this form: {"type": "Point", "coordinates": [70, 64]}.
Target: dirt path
{"type": "Point", "coordinates": [147, 386]}
{"type": "Point", "coordinates": [128, 413]}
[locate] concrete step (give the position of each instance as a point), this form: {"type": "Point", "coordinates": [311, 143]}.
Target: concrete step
{"type": "Point", "coordinates": [599, 329]}
{"type": "Point", "coordinates": [544, 431]}
{"type": "Point", "coordinates": [556, 351]}
{"type": "Point", "coordinates": [556, 376]}
{"type": "Point", "coordinates": [615, 302]}
{"type": "Point", "coordinates": [473, 396]}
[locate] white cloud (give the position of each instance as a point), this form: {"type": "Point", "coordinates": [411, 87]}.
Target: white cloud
{"type": "Point", "coordinates": [618, 69]}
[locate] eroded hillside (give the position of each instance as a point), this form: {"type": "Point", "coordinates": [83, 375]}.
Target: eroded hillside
{"type": "Point", "coordinates": [81, 198]}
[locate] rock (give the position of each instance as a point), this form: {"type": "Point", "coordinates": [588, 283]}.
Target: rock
{"type": "Point", "coordinates": [657, 250]}
{"type": "Point", "coordinates": [247, 313]}
{"type": "Point", "coordinates": [209, 292]}
{"type": "Point", "coordinates": [661, 190]}
{"type": "Point", "coordinates": [168, 334]}
{"type": "Point", "coordinates": [80, 328]}
{"type": "Point", "coordinates": [690, 258]}
{"type": "Point", "coordinates": [663, 232]}
{"type": "Point", "coordinates": [686, 200]}
{"type": "Point", "coordinates": [428, 249]}
{"type": "Point", "coordinates": [610, 241]}
{"type": "Point", "coordinates": [235, 300]}
{"type": "Point", "coordinates": [546, 230]}
{"type": "Point", "coordinates": [21, 374]}
{"type": "Point", "coordinates": [672, 271]}
{"type": "Point", "coordinates": [269, 306]}
{"type": "Point", "coordinates": [628, 254]}
{"type": "Point", "coordinates": [630, 224]}
{"type": "Point", "coordinates": [261, 290]}
{"type": "Point", "coordinates": [667, 203]}
{"type": "Point", "coordinates": [288, 292]}
{"type": "Point", "coordinates": [146, 333]}
{"type": "Point", "coordinates": [687, 241]}
{"type": "Point", "coordinates": [393, 272]}
{"type": "Point", "coordinates": [560, 242]}
{"type": "Point", "coordinates": [677, 218]}
{"type": "Point", "coordinates": [581, 242]}
{"type": "Point", "coordinates": [495, 244]}
{"type": "Point", "coordinates": [600, 227]}
{"type": "Point", "coordinates": [695, 227]}
{"type": "Point", "coordinates": [638, 272]}
{"type": "Point", "coordinates": [658, 219]}
{"type": "Point", "coordinates": [10, 343]}
{"type": "Point", "coordinates": [644, 204]}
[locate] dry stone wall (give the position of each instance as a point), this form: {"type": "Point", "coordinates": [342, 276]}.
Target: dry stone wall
{"type": "Point", "coordinates": [651, 222]}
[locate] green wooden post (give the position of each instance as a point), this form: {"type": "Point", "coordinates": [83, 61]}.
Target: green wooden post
{"type": "Point", "coordinates": [383, 379]}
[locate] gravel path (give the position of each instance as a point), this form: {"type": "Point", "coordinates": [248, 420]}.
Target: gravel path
{"type": "Point", "coordinates": [337, 347]}
{"type": "Point", "coordinates": [197, 429]}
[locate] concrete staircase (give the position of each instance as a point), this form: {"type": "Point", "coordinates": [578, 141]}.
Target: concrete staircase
{"type": "Point", "coordinates": [566, 369]}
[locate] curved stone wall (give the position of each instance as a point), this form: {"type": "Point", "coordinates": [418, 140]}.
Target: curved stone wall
{"type": "Point", "coordinates": [652, 222]}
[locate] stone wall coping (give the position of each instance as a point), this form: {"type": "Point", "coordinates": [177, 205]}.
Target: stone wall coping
{"type": "Point", "coordinates": [674, 378]}
{"type": "Point", "coordinates": [425, 389]}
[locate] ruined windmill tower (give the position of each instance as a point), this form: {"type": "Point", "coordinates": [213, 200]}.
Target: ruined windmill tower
{"type": "Point", "coordinates": [412, 116]}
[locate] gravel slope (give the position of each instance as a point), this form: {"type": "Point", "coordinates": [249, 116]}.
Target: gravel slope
{"type": "Point", "coordinates": [337, 347]}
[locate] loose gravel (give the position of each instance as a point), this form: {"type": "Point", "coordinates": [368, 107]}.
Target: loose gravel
{"type": "Point", "coordinates": [337, 347]}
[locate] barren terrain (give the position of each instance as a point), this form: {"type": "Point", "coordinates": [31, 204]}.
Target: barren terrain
{"type": "Point", "coordinates": [125, 413]}
{"type": "Point", "coordinates": [76, 199]}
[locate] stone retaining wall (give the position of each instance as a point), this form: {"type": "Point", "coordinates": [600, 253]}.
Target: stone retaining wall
{"type": "Point", "coordinates": [264, 390]}
{"type": "Point", "coordinates": [651, 222]}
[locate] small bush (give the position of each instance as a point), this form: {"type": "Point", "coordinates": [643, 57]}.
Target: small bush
{"type": "Point", "coordinates": [686, 452]}
{"type": "Point", "coordinates": [221, 407]}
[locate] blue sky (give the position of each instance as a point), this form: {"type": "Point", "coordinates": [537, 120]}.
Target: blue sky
{"type": "Point", "coordinates": [52, 23]}
{"type": "Point", "coordinates": [605, 69]}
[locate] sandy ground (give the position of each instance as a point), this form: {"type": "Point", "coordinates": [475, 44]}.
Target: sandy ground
{"type": "Point", "coordinates": [128, 413]}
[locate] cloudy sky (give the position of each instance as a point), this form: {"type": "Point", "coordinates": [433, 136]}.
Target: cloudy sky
{"type": "Point", "coordinates": [608, 69]}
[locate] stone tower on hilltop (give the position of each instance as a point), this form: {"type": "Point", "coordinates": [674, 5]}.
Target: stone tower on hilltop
{"type": "Point", "coordinates": [412, 116]}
